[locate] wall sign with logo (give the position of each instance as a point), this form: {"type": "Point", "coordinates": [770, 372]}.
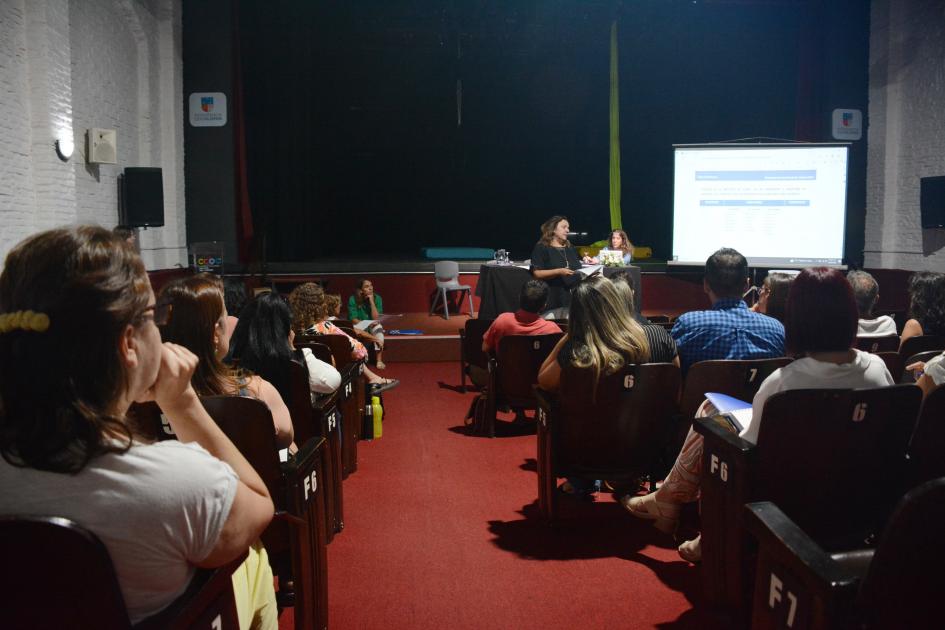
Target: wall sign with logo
{"type": "Point", "coordinates": [207, 109]}
{"type": "Point", "coordinates": [847, 124]}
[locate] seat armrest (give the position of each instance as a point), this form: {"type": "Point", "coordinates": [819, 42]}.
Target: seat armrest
{"type": "Point", "coordinates": [718, 431]}
{"type": "Point", "coordinates": [790, 546]}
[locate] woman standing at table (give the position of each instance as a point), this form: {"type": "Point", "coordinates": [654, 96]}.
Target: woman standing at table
{"type": "Point", "coordinates": [556, 262]}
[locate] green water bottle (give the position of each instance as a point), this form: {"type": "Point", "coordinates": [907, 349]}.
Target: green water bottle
{"type": "Point", "coordinates": [377, 412]}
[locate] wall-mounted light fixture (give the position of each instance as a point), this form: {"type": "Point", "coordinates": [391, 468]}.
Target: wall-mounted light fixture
{"type": "Point", "coordinates": [65, 147]}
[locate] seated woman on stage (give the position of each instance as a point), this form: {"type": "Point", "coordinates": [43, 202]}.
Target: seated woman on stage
{"type": "Point", "coordinates": [926, 305]}
{"type": "Point", "coordinates": [555, 262]}
{"type": "Point", "coordinates": [364, 311]}
{"type": "Point", "coordinates": [820, 332]}
{"type": "Point", "coordinates": [310, 317]}
{"type": "Point", "coordinates": [619, 242]}
{"type": "Point", "coordinates": [263, 343]}
{"type": "Point", "coordinates": [79, 345]}
{"type": "Point", "coordinates": [602, 337]}
{"type": "Point", "coordinates": [198, 321]}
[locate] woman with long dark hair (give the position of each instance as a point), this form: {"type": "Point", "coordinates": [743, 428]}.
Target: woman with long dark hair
{"type": "Point", "coordinates": [820, 333]}
{"type": "Point", "coordinates": [926, 305]}
{"type": "Point", "coordinates": [78, 345]}
{"type": "Point", "coordinates": [556, 262]}
{"type": "Point", "coordinates": [197, 320]}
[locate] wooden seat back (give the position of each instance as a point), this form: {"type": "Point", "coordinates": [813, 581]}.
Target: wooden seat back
{"type": "Point", "coordinates": [470, 347]}
{"type": "Point", "coordinates": [893, 363]}
{"type": "Point", "coordinates": [514, 371]}
{"type": "Point", "coordinates": [64, 578]}
{"type": "Point", "coordinates": [832, 459]}
{"type": "Point", "coordinates": [616, 432]}
{"type": "Point", "coordinates": [739, 379]}
{"type": "Point", "coordinates": [921, 343]}
{"type": "Point", "coordinates": [927, 445]}
{"type": "Point", "coordinates": [888, 343]}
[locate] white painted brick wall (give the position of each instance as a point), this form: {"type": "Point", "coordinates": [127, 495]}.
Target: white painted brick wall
{"type": "Point", "coordinates": [907, 131]}
{"type": "Point", "coordinates": [70, 65]}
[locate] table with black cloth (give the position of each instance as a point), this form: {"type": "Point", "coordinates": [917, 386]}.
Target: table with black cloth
{"type": "Point", "coordinates": [499, 287]}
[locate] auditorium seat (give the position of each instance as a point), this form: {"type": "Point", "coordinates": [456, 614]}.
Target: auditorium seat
{"type": "Point", "coordinates": [799, 584]}
{"type": "Point", "coordinates": [927, 446]}
{"type": "Point", "coordinates": [919, 357]}
{"type": "Point", "coordinates": [832, 459]}
{"type": "Point", "coordinates": [513, 373]}
{"type": "Point", "coordinates": [616, 433]}
{"type": "Point", "coordinates": [60, 575]}
{"type": "Point", "coordinates": [470, 348]}
{"type": "Point", "coordinates": [737, 378]}
{"type": "Point", "coordinates": [893, 363]}
{"type": "Point", "coordinates": [921, 343]}
{"type": "Point", "coordinates": [878, 344]}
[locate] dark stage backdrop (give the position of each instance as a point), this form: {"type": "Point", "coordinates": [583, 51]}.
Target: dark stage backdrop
{"type": "Point", "coordinates": [378, 127]}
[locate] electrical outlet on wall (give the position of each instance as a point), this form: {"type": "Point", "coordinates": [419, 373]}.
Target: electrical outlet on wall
{"type": "Point", "coordinates": [102, 146]}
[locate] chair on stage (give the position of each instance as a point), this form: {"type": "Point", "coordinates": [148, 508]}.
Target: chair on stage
{"type": "Point", "coordinates": [447, 281]}
{"type": "Point", "coordinates": [834, 460]}
{"type": "Point", "coordinates": [513, 374]}
{"type": "Point", "coordinates": [888, 343]}
{"type": "Point", "coordinates": [470, 350]}
{"type": "Point", "coordinates": [799, 584]}
{"type": "Point", "coordinates": [60, 575]}
{"type": "Point", "coordinates": [616, 433]}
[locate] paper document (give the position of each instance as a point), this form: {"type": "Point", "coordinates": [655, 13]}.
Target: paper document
{"type": "Point", "coordinates": [588, 270]}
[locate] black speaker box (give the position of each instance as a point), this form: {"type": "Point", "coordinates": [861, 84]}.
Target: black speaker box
{"type": "Point", "coordinates": [142, 194]}
{"type": "Point", "coordinates": [933, 202]}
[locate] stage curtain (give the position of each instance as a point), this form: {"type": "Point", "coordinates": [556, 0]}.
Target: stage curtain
{"type": "Point", "coordinates": [616, 222]}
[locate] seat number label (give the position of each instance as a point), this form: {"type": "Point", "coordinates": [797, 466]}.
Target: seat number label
{"type": "Point", "coordinates": [310, 485]}
{"type": "Point", "coordinates": [717, 466]}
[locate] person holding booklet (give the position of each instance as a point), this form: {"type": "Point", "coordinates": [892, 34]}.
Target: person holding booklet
{"type": "Point", "coordinates": [556, 262]}
{"type": "Point", "coordinates": [821, 326]}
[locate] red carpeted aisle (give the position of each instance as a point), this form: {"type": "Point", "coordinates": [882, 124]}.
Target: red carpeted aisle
{"type": "Point", "coordinates": [442, 530]}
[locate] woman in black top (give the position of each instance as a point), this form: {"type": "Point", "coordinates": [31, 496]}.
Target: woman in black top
{"type": "Point", "coordinates": [556, 262]}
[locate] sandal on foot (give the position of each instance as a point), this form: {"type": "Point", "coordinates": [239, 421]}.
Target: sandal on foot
{"type": "Point", "coordinates": [665, 516]}
{"type": "Point", "coordinates": [691, 550]}
{"type": "Point", "coordinates": [384, 385]}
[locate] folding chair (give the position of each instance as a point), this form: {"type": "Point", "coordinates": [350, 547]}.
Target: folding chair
{"type": "Point", "coordinates": [889, 343]}
{"type": "Point", "coordinates": [470, 347]}
{"type": "Point", "coordinates": [447, 281]}
{"type": "Point", "coordinates": [798, 584]}
{"type": "Point", "coordinates": [64, 578]}
{"type": "Point", "coordinates": [617, 433]}
{"type": "Point", "coordinates": [832, 459]}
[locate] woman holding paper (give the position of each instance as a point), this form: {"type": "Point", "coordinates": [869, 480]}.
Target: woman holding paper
{"type": "Point", "coordinates": [556, 262]}
{"type": "Point", "coordinates": [820, 333]}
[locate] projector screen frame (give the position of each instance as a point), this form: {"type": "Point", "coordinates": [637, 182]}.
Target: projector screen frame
{"type": "Point", "coordinates": [741, 144]}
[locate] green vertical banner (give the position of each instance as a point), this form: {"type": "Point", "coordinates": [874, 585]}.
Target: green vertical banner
{"type": "Point", "coordinates": [616, 222]}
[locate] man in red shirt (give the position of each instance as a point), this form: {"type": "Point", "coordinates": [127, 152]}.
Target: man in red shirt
{"type": "Point", "coordinates": [524, 321]}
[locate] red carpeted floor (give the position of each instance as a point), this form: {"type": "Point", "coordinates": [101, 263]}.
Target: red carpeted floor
{"type": "Point", "coordinates": [442, 530]}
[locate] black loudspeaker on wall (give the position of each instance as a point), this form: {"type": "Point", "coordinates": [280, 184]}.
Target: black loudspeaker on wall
{"type": "Point", "coordinates": [933, 202]}
{"type": "Point", "coordinates": [142, 197]}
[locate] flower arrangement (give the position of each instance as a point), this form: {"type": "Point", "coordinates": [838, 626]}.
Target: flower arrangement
{"type": "Point", "coordinates": [611, 258]}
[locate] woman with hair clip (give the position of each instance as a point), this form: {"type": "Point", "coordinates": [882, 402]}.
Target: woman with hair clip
{"type": "Point", "coordinates": [310, 317]}
{"type": "Point", "coordinates": [602, 337]}
{"type": "Point", "coordinates": [197, 320]}
{"type": "Point", "coordinates": [820, 333]}
{"type": "Point", "coordinates": [78, 344]}
{"type": "Point", "coordinates": [263, 344]}
{"type": "Point", "coordinates": [556, 262]}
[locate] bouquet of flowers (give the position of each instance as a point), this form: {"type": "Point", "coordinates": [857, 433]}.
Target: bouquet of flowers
{"type": "Point", "coordinates": [611, 258]}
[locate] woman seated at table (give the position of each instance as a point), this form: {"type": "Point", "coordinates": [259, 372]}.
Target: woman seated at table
{"type": "Point", "coordinates": [820, 332]}
{"type": "Point", "coordinates": [619, 242]}
{"type": "Point", "coordinates": [364, 310]}
{"type": "Point", "coordinates": [556, 262]}
{"type": "Point", "coordinates": [602, 337]}
{"type": "Point", "coordinates": [197, 320]}
{"type": "Point", "coordinates": [310, 317]}
{"type": "Point", "coordinates": [263, 343]}
{"type": "Point", "coordinates": [78, 345]}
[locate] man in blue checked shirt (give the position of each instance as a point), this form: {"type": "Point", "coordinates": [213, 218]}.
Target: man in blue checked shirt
{"type": "Point", "coordinates": [729, 330]}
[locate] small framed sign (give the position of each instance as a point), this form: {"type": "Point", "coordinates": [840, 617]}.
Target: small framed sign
{"type": "Point", "coordinates": [207, 109]}
{"type": "Point", "coordinates": [847, 124]}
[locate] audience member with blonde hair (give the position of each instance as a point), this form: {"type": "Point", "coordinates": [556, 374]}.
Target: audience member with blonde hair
{"type": "Point", "coordinates": [197, 320]}
{"type": "Point", "coordinates": [78, 345]}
